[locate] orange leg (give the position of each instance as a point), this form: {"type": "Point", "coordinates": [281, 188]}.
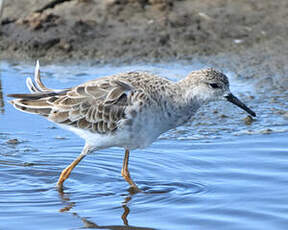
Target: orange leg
{"type": "Point", "coordinates": [67, 171]}
{"type": "Point", "coordinates": [125, 172]}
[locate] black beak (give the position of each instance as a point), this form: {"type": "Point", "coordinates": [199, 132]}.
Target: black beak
{"type": "Point", "coordinates": [230, 97]}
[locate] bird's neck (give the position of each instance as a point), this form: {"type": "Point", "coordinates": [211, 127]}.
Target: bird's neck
{"type": "Point", "coordinates": [183, 106]}
{"type": "Point", "coordinates": [191, 93]}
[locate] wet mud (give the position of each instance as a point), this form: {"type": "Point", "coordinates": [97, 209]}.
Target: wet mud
{"type": "Point", "coordinates": [142, 30]}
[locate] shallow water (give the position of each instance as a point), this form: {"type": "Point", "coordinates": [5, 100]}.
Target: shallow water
{"type": "Point", "coordinates": [213, 173]}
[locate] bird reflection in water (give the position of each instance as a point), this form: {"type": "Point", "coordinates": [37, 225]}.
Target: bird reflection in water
{"type": "Point", "coordinates": [89, 224]}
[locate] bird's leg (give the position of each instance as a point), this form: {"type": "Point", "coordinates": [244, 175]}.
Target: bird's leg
{"type": "Point", "coordinates": [125, 172]}
{"type": "Point", "coordinates": [67, 171]}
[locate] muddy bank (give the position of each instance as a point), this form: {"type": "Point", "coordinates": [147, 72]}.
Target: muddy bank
{"type": "Point", "coordinates": [129, 30]}
{"type": "Point", "coordinates": [251, 36]}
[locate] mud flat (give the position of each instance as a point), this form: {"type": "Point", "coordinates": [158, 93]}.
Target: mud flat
{"type": "Point", "coordinates": [139, 29]}
{"type": "Point", "coordinates": [247, 37]}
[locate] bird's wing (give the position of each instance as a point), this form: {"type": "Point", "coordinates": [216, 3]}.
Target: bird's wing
{"type": "Point", "coordinates": [96, 105]}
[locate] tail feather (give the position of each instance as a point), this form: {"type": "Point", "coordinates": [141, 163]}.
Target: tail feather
{"type": "Point", "coordinates": [35, 96]}
{"type": "Point", "coordinates": [37, 79]}
{"type": "Point", "coordinates": [37, 104]}
{"type": "Point", "coordinates": [38, 101]}
{"type": "Point", "coordinates": [31, 86]}
{"type": "Point", "coordinates": [44, 111]}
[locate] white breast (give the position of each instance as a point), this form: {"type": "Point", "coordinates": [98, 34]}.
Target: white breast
{"type": "Point", "coordinates": [133, 133]}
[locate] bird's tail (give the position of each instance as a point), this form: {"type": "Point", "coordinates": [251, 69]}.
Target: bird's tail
{"type": "Point", "coordinates": [37, 102]}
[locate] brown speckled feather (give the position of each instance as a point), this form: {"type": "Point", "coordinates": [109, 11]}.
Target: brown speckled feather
{"type": "Point", "coordinates": [96, 105]}
{"type": "Point", "coordinates": [99, 105]}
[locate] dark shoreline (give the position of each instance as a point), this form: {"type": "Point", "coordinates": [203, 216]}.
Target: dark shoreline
{"type": "Point", "coordinates": [247, 37]}
{"type": "Point", "coordinates": [129, 30]}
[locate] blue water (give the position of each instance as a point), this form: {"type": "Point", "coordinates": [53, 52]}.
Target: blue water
{"type": "Point", "coordinates": [213, 173]}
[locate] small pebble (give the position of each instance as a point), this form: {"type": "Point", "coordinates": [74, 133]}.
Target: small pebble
{"type": "Point", "coordinates": [267, 131]}
{"type": "Point", "coordinates": [248, 120]}
{"type": "Point", "coordinates": [60, 138]}
{"type": "Point", "coordinates": [13, 141]}
{"type": "Point", "coordinates": [28, 164]}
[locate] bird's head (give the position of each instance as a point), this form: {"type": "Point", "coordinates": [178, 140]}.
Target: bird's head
{"type": "Point", "coordinates": [212, 85]}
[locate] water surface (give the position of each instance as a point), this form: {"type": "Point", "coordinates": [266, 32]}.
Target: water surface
{"type": "Point", "coordinates": [214, 173]}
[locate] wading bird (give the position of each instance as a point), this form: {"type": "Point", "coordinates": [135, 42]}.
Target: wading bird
{"type": "Point", "coordinates": [128, 110]}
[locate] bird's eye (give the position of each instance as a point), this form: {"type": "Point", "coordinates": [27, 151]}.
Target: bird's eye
{"type": "Point", "coordinates": [214, 85]}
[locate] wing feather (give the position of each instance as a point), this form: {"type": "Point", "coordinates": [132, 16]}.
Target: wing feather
{"type": "Point", "coordinates": [96, 105]}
